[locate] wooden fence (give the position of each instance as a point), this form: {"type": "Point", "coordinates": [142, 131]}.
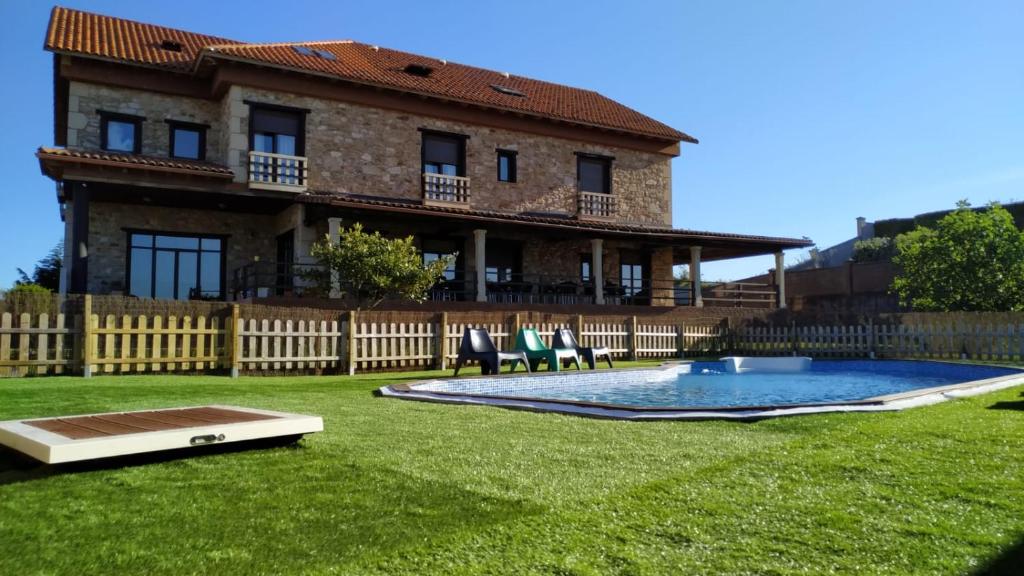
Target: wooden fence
{"type": "Point", "coordinates": [239, 339]}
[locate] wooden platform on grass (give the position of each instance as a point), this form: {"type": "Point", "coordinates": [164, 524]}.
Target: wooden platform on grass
{"type": "Point", "coordinates": [92, 436]}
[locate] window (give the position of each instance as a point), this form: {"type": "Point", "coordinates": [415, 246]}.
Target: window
{"type": "Point", "coordinates": [594, 173]}
{"type": "Point", "coordinates": [506, 165]}
{"type": "Point", "coordinates": [444, 154]}
{"type": "Point", "coordinates": [632, 275]}
{"type": "Point", "coordinates": [503, 261]}
{"type": "Point", "coordinates": [586, 268]}
{"type": "Point", "coordinates": [188, 140]}
{"type": "Point", "coordinates": [435, 249]}
{"type": "Point", "coordinates": [120, 132]}
{"type": "Point", "coordinates": [277, 130]}
{"type": "Point", "coordinates": [162, 265]}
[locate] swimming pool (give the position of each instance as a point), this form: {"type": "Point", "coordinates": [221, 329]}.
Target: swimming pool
{"type": "Point", "coordinates": [706, 390]}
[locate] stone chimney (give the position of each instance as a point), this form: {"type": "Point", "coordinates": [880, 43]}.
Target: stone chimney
{"type": "Point", "coordinates": [862, 225]}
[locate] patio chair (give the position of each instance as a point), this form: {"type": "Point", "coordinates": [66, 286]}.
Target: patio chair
{"type": "Point", "coordinates": [564, 338]}
{"type": "Point", "coordinates": [477, 345]}
{"type": "Point", "coordinates": [531, 344]}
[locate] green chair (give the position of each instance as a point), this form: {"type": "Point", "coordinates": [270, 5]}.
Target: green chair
{"type": "Point", "coordinates": [528, 341]}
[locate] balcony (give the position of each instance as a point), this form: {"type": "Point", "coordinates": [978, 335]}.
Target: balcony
{"type": "Point", "coordinates": [445, 190]}
{"type": "Point", "coordinates": [277, 172]}
{"type": "Point", "coordinates": [596, 205]}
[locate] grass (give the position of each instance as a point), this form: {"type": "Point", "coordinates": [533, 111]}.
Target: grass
{"type": "Point", "coordinates": [397, 487]}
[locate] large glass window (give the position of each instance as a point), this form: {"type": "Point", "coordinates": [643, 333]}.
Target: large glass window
{"type": "Point", "coordinates": [503, 261]}
{"type": "Point", "coordinates": [175, 267]}
{"type": "Point", "coordinates": [444, 154]}
{"type": "Point", "coordinates": [632, 273]}
{"type": "Point", "coordinates": [435, 249]}
{"type": "Point", "coordinates": [188, 140]}
{"type": "Point", "coordinates": [120, 132]}
{"type": "Point", "coordinates": [594, 174]}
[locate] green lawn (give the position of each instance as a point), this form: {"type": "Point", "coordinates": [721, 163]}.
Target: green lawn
{"type": "Point", "coordinates": [398, 487]}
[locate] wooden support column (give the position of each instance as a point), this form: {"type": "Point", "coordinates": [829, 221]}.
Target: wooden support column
{"type": "Point", "coordinates": [597, 265]}
{"type": "Point", "coordinates": [780, 278]}
{"type": "Point", "coordinates": [696, 298]}
{"type": "Point", "coordinates": [480, 257]}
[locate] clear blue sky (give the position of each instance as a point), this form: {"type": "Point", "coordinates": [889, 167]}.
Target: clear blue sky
{"type": "Point", "coordinates": [809, 113]}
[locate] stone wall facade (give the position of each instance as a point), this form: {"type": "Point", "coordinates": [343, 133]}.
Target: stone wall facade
{"type": "Point", "coordinates": [361, 150]}
{"type": "Point", "coordinates": [86, 100]}
{"type": "Point", "coordinates": [249, 236]}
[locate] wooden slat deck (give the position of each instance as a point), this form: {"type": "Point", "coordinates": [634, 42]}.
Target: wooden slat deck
{"type": "Point", "coordinates": [80, 427]}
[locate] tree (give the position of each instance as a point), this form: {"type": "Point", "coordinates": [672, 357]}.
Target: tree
{"type": "Point", "coordinates": [970, 260]}
{"type": "Point", "coordinates": [47, 270]}
{"type": "Point", "coordinates": [370, 267]}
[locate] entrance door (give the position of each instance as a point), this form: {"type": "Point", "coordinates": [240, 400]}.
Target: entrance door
{"type": "Point", "coordinates": [284, 279]}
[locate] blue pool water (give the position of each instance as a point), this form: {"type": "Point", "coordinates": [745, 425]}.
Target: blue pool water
{"type": "Point", "coordinates": [708, 385]}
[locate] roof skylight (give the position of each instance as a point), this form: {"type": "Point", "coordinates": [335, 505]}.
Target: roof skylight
{"type": "Point", "coordinates": [307, 51]}
{"type": "Point", "coordinates": [418, 70]}
{"type": "Point", "coordinates": [170, 45]}
{"type": "Point", "coordinates": [507, 90]}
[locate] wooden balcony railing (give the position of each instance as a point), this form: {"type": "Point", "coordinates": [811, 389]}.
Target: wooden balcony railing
{"type": "Point", "coordinates": [277, 171]}
{"type": "Point", "coordinates": [445, 189]}
{"type": "Point", "coordinates": [597, 205]}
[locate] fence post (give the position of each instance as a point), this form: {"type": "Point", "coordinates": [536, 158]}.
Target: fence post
{"type": "Point", "coordinates": [516, 325]}
{"type": "Point", "coordinates": [351, 342]}
{"type": "Point", "coordinates": [579, 328]}
{"type": "Point", "coordinates": [235, 342]}
{"type": "Point", "coordinates": [632, 338]}
{"type": "Point", "coordinates": [87, 345]}
{"type": "Point", "coordinates": [871, 339]}
{"type": "Point", "coordinates": [794, 340]}
{"type": "Point", "coordinates": [442, 345]}
{"type": "Point", "coordinates": [681, 340]}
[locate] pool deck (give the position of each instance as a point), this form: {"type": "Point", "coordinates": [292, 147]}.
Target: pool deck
{"type": "Point", "coordinates": [889, 402]}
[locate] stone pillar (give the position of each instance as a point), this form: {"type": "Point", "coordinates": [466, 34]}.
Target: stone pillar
{"type": "Point", "coordinates": [333, 232]}
{"type": "Point", "coordinates": [780, 277]}
{"type": "Point", "coordinates": [597, 268]}
{"type": "Point", "coordinates": [697, 299]}
{"type": "Point", "coordinates": [480, 256]}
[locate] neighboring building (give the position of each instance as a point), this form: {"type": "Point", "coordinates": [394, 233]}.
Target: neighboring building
{"type": "Point", "coordinates": [190, 166]}
{"type": "Point", "coordinates": [839, 254]}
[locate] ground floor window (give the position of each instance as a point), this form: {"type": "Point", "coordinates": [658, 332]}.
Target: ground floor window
{"type": "Point", "coordinates": [632, 273]}
{"type": "Point", "coordinates": [162, 265]}
{"type": "Point", "coordinates": [504, 261]}
{"type": "Point", "coordinates": [436, 249]}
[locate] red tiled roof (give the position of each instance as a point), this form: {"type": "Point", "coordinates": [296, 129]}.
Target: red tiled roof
{"type": "Point", "coordinates": [385, 204]}
{"type": "Point", "coordinates": [81, 33]}
{"type": "Point", "coordinates": [197, 167]}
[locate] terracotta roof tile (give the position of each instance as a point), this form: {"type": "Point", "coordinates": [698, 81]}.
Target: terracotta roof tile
{"type": "Point", "coordinates": [356, 201]}
{"type": "Point", "coordinates": [93, 35]}
{"type": "Point", "coordinates": [137, 160]}
{"type": "Point", "coordinates": [112, 38]}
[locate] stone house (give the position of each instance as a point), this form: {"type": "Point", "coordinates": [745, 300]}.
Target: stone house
{"type": "Point", "coordinates": [190, 166]}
